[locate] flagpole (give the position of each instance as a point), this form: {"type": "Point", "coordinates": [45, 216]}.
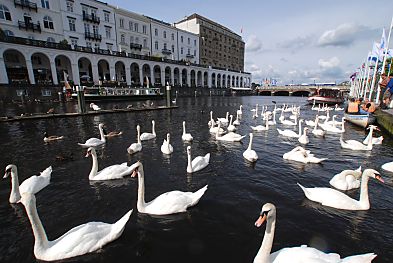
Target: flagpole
{"type": "Point", "coordinates": [367, 80]}
{"type": "Point", "coordinates": [384, 62]}
{"type": "Point", "coordinates": [367, 73]}
{"type": "Point", "coordinates": [374, 77]}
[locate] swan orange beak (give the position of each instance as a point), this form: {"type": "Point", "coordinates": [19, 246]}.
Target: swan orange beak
{"type": "Point", "coordinates": [135, 172]}
{"type": "Point", "coordinates": [260, 220]}
{"type": "Point", "coordinates": [379, 178]}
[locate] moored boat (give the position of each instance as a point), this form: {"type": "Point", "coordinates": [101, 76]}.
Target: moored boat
{"type": "Point", "coordinates": [362, 120]}
{"type": "Point", "coordinates": [326, 96]}
{"type": "Point", "coordinates": [115, 94]}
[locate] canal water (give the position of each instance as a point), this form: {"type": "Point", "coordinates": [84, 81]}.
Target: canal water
{"type": "Point", "coordinates": [221, 227]}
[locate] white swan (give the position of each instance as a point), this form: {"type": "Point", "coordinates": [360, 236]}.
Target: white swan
{"type": "Point", "coordinates": [229, 137]}
{"type": "Point", "coordinates": [116, 171]}
{"type": "Point", "coordinates": [261, 127]}
{"type": "Point", "coordinates": [336, 108]}
{"type": "Point", "coordinates": [255, 114]}
{"type": "Point", "coordinates": [273, 121]}
{"type": "Point", "coordinates": [290, 133]}
{"type": "Point", "coordinates": [237, 122]}
{"type": "Point", "coordinates": [94, 106]}
{"type": "Point", "coordinates": [32, 185]}
{"type": "Point", "coordinates": [303, 139]}
{"type": "Point", "coordinates": [240, 110]}
{"type": "Point", "coordinates": [198, 163]}
{"type": "Point", "coordinates": [316, 131]}
{"type": "Point", "coordinates": [147, 135]}
{"type": "Point", "coordinates": [356, 145]}
{"type": "Point", "coordinates": [347, 179]}
{"type": "Point", "coordinates": [299, 154]}
{"type": "Point", "coordinates": [166, 146]}
{"type": "Point", "coordinates": [78, 241]}
{"type": "Point", "coordinates": [300, 254]}
{"type": "Point", "coordinates": [166, 203]}
{"type": "Point", "coordinates": [136, 146]}
{"type": "Point", "coordinates": [375, 140]}
{"type": "Point", "coordinates": [224, 120]}
{"type": "Point", "coordinates": [48, 138]}
{"type": "Point", "coordinates": [186, 136]}
{"type": "Point", "coordinates": [250, 154]}
{"type": "Point", "coordinates": [336, 199]}
{"type": "Point", "coordinates": [288, 122]}
{"type": "Point", "coordinates": [331, 128]}
{"type": "Point", "coordinates": [211, 123]}
{"type": "Point", "coordinates": [94, 142]}
{"type": "Point", "coordinates": [388, 167]}
{"type": "Point", "coordinates": [231, 127]}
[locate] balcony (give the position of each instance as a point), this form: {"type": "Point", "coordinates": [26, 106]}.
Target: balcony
{"type": "Point", "coordinates": [93, 36]}
{"type": "Point", "coordinates": [29, 26]}
{"type": "Point", "coordinates": [91, 18]}
{"type": "Point", "coordinates": [136, 46]}
{"type": "Point", "coordinates": [26, 4]}
{"type": "Point", "coordinates": [189, 56]}
{"type": "Point", "coordinates": [166, 51]}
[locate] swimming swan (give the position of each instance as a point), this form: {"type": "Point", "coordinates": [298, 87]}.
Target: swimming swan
{"type": "Point", "coordinates": [229, 137]}
{"type": "Point", "coordinates": [136, 146]}
{"type": "Point", "coordinates": [186, 136]}
{"type": "Point", "coordinates": [375, 140]}
{"type": "Point", "coordinates": [295, 254]}
{"type": "Point", "coordinates": [48, 138]}
{"type": "Point", "coordinates": [32, 185]}
{"type": "Point", "coordinates": [347, 179]}
{"type": "Point", "coordinates": [249, 154]}
{"type": "Point", "coordinates": [299, 154]}
{"type": "Point", "coordinates": [166, 203]}
{"type": "Point", "coordinates": [147, 135]}
{"type": "Point", "coordinates": [336, 199]}
{"type": "Point", "coordinates": [78, 241]}
{"type": "Point", "coordinates": [166, 146]}
{"type": "Point", "coordinates": [94, 142]}
{"type": "Point", "coordinates": [198, 163]}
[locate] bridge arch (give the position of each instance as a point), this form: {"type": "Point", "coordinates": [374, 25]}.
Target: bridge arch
{"type": "Point", "coordinates": [301, 93]}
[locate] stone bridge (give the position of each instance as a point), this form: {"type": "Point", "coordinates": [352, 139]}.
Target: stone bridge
{"type": "Point", "coordinates": [298, 90]}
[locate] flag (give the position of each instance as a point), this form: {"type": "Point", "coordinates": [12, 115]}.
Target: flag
{"type": "Point", "coordinates": [383, 40]}
{"type": "Point", "coordinates": [66, 84]}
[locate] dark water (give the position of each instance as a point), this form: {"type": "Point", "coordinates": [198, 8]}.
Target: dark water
{"type": "Point", "coordinates": [221, 227]}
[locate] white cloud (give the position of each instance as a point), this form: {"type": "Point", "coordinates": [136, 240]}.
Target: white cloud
{"type": "Point", "coordinates": [253, 44]}
{"type": "Point", "coordinates": [344, 35]}
{"type": "Point", "coordinates": [329, 63]}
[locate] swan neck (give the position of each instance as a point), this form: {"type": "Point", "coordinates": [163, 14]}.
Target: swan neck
{"type": "Point", "coordinates": [102, 134]}
{"type": "Point", "coordinates": [141, 189]}
{"type": "Point", "coordinates": [189, 164]}
{"type": "Point", "coordinates": [41, 240]}
{"type": "Point", "coordinates": [15, 194]}
{"type": "Point", "coordinates": [263, 254]}
{"type": "Point", "coordinates": [250, 143]}
{"type": "Point", "coordinates": [153, 128]}
{"type": "Point", "coordinates": [184, 128]}
{"type": "Point", "coordinates": [94, 167]}
{"type": "Point", "coordinates": [364, 201]}
{"type": "Point", "coordinates": [300, 128]}
{"type": "Point", "coordinates": [139, 136]}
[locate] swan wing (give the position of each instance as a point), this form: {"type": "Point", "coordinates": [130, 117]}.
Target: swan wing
{"type": "Point", "coordinates": [147, 136]}
{"type": "Point", "coordinates": [35, 183]}
{"type": "Point", "coordinates": [84, 239]}
{"type": "Point", "coordinates": [330, 197]}
{"type": "Point", "coordinates": [303, 254]}
{"type": "Point", "coordinates": [200, 162]}
{"type": "Point", "coordinates": [135, 147]}
{"type": "Point", "coordinates": [250, 155]}
{"type": "Point", "coordinates": [364, 258]}
{"type": "Point", "coordinates": [92, 142]}
{"type": "Point", "coordinates": [388, 167]}
{"type": "Point", "coordinates": [115, 171]}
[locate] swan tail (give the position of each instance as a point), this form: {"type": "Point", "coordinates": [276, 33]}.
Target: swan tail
{"type": "Point", "coordinates": [47, 172]}
{"type": "Point", "coordinates": [197, 195]}
{"type": "Point", "coordinates": [359, 258]}
{"type": "Point", "coordinates": [118, 227]}
{"type": "Point", "coordinates": [207, 157]}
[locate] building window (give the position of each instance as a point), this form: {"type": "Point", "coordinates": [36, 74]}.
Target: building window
{"type": "Point", "coordinates": [51, 40]}
{"type": "Point", "coordinates": [87, 28]}
{"type": "Point", "coordinates": [173, 36]}
{"type": "Point", "coordinates": [85, 10]}
{"type": "Point", "coordinates": [145, 43]}
{"type": "Point", "coordinates": [70, 6]}
{"type": "Point", "coordinates": [195, 52]}
{"type": "Point", "coordinates": [188, 41]}
{"type": "Point", "coordinates": [108, 32]}
{"type": "Point", "coordinates": [88, 44]}
{"type": "Point", "coordinates": [94, 13]}
{"type": "Point", "coordinates": [156, 45]}
{"type": "Point", "coordinates": [136, 29]}
{"type": "Point", "coordinates": [194, 42]}
{"type": "Point", "coordinates": [46, 92]}
{"type": "Point", "coordinates": [165, 46]}
{"type": "Point", "coordinates": [131, 25]}
{"type": "Point", "coordinates": [181, 39]}
{"type": "Point", "coordinates": [95, 29]}
{"type": "Point", "coordinates": [131, 39]}
{"type": "Point", "coordinates": [144, 29]}
{"type": "Point", "coordinates": [71, 23]}
{"type": "Point", "coordinates": [181, 51]}
{"type": "Point", "coordinates": [5, 13]}
{"type": "Point", "coordinates": [8, 33]}
{"type": "Point", "coordinates": [45, 4]}
{"type": "Point", "coordinates": [48, 22]}
{"type": "Point", "coordinates": [74, 42]}
{"type": "Point", "coordinates": [106, 17]}
{"type": "Point", "coordinates": [121, 23]}
{"type": "Point", "coordinates": [188, 52]}
{"type": "Point", "coordinates": [164, 34]}
{"type": "Point", "coordinates": [137, 40]}
{"type": "Point", "coordinates": [173, 48]}
{"type": "Point", "coordinates": [122, 39]}
{"type": "Point", "coordinates": [156, 32]}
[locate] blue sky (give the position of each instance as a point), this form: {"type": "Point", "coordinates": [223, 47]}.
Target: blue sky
{"type": "Point", "coordinates": [299, 41]}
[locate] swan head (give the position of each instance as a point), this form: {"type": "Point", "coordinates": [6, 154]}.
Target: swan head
{"type": "Point", "coordinates": [135, 168]}
{"type": "Point", "coordinates": [268, 211]}
{"type": "Point", "coordinates": [11, 168]}
{"type": "Point", "coordinates": [373, 127]}
{"type": "Point", "coordinates": [90, 152]}
{"type": "Point", "coordinates": [374, 174]}
{"type": "Point", "coordinates": [168, 136]}
{"type": "Point", "coordinates": [101, 125]}
{"type": "Point", "coordinates": [46, 135]}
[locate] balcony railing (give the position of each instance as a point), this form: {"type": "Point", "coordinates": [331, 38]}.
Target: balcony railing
{"type": "Point", "coordinates": [166, 51]}
{"type": "Point", "coordinates": [26, 4]}
{"type": "Point", "coordinates": [93, 36]}
{"type": "Point", "coordinates": [91, 18]}
{"type": "Point", "coordinates": [29, 26]}
{"type": "Point", "coordinates": [135, 46]}
{"type": "Point", "coordinates": [189, 56]}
